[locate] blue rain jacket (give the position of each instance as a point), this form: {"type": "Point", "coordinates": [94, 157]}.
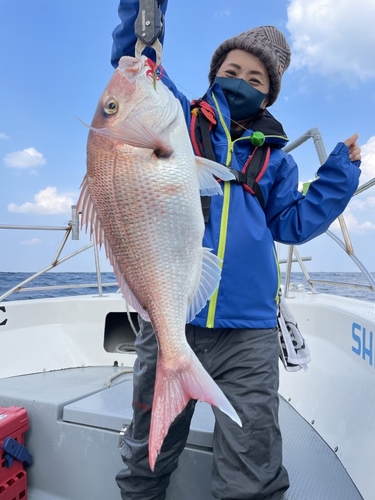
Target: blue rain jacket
{"type": "Point", "coordinates": [239, 231]}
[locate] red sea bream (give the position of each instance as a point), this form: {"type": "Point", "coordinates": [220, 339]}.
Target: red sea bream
{"type": "Point", "coordinates": [141, 197]}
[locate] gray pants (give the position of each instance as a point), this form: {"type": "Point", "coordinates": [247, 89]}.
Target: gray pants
{"type": "Point", "coordinates": [247, 461]}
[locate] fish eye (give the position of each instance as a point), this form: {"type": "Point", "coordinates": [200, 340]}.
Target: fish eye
{"type": "Point", "coordinates": [111, 106]}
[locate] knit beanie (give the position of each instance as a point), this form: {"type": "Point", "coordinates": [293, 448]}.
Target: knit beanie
{"type": "Point", "coordinates": [265, 42]}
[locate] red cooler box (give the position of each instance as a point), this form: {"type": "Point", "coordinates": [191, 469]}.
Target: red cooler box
{"type": "Point", "coordinates": [13, 424]}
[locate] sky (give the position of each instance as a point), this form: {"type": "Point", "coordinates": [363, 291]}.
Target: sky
{"type": "Point", "coordinates": [55, 63]}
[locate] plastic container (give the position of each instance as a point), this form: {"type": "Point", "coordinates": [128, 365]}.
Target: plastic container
{"type": "Point", "coordinates": [13, 481]}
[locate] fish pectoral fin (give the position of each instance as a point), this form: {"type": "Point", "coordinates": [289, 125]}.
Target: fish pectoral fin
{"type": "Point", "coordinates": [208, 185]}
{"type": "Point", "coordinates": [140, 135]}
{"type": "Point", "coordinates": [173, 390]}
{"type": "Point", "coordinates": [209, 281]}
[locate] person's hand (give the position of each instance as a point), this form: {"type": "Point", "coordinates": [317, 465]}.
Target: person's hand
{"type": "Point", "coordinates": [354, 149]}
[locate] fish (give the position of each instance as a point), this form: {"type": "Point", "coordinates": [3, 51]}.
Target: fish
{"type": "Point", "coordinates": [140, 197]}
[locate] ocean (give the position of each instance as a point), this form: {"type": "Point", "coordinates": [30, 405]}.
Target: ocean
{"type": "Point", "coordinates": [9, 280]}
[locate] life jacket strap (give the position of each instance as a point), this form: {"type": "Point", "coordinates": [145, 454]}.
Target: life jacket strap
{"type": "Point", "coordinates": [202, 121]}
{"type": "Point", "coordinates": [254, 168]}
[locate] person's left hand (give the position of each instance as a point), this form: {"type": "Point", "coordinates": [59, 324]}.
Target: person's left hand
{"type": "Point", "coordinates": [354, 149]}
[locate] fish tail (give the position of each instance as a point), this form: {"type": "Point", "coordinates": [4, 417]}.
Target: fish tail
{"type": "Point", "coordinates": [173, 390]}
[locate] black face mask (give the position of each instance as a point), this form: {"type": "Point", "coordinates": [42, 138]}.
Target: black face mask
{"type": "Point", "coordinates": [243, 99]}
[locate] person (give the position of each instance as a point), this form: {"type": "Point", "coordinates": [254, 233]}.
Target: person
{"type": "Point", "coordinates": [235, 336]}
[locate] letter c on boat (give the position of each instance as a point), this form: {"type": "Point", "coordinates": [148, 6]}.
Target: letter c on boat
{"type": "Point", "coordinates": [5, 320]}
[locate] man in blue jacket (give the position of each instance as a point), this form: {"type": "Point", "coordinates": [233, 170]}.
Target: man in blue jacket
{"type": "Point", "coordinates": [235, 335]}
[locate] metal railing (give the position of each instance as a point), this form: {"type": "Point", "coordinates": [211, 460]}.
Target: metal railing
{"type": "Point", "coordinates": [345, 244]}
{"type": "Point", "coordinates": [72, 228]}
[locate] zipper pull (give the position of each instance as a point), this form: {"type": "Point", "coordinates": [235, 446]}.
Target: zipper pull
{"type": "Point", "coordinates": [230, 151]}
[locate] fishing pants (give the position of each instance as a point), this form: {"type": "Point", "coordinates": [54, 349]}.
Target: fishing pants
{"type": "Point", "coordinates": [247, 461]}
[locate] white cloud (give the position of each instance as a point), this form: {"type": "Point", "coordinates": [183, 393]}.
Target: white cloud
{"type": "Point", "coordinates": [27, 158]}
{"type": "Point", "coordinates": [368, 160]}
{"type": "Point", "coordinates": [31, 243]}
{"type": "Point", "coordinates": [4, 136]}
{"type": "Point", "coordinates": [222, 13]}
{"type": "Point", "coordinates": [352, 222]}
{"type": "Point", "coordinates": [333, 37]}
{"type": "Point", "coordinates": [362, 205]}
{"type": "Point", "coordinates": [46, 202]}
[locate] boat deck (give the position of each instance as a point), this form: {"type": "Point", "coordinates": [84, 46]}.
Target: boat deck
{"type": "Point", "coordinates": [75, 421]}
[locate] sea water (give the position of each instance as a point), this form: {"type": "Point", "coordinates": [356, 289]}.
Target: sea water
{"type": "Point", "coordinates": [10, 280]}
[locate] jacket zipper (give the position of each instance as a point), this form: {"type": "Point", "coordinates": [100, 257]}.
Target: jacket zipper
{"type": "Point", "coordinates": [210, 323]}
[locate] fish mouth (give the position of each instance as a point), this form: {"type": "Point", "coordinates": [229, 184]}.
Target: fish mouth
{"type": "Point", "coordinates": [130, 67]}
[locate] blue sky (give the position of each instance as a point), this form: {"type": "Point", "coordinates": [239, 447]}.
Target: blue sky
{"type": "Point", "coordinates": [55, 63]}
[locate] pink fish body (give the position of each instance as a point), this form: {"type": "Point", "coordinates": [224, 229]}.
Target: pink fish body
{"type": "Point", "coordinates": [141, 197]}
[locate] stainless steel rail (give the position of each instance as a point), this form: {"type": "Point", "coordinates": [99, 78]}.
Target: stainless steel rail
{"type": "Point", "coordinates": [66, 287]}
{"type": "Point", "coordinates": [346, 244]}
{"type": "Point", "coordinates": [71, 229]}
{"type": "Point", "coordinates": [35, 228]}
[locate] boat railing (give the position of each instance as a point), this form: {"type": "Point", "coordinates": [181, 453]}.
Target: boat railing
{"type": "Point", "coordinates": [71, 229]}
{"type": "Point", "coordinates": [345, 243]}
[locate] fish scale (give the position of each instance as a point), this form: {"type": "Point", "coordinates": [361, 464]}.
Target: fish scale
{"type": "Point", "coordinates": [141, 196]}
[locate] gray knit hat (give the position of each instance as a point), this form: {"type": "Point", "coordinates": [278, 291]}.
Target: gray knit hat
{"type": "Point", "coordinates": [265, 42]}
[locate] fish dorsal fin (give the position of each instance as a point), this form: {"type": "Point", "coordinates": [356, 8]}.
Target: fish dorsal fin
{"type": "Point", "coordinates": [90, 220]}
{"type": "Point", "coordinates": [89, 217]}
{"type": "Point", "coordinates": [210, 278]}
{"type": "Point", "coordinates": [208, 185]}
